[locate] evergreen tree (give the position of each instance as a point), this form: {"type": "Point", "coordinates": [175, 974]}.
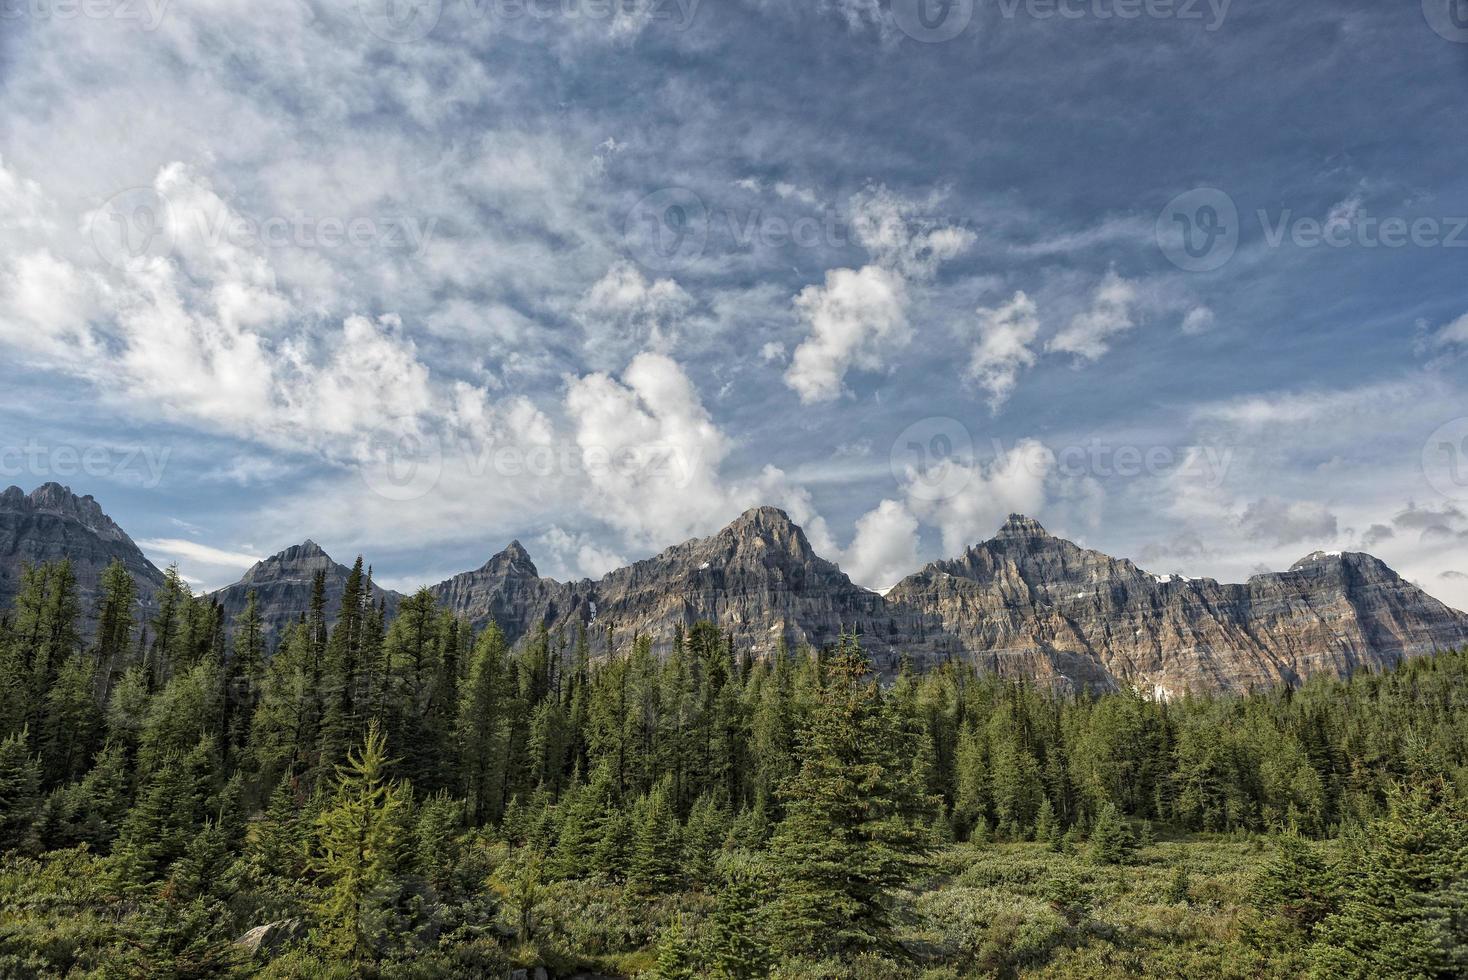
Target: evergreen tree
{"type": "Point", "coordinates": [1403, 910]}
{"type": "Point", "coordinates": [114, 624]}
{"type": "Point", "coordinates": [852, 829]}
{"type": "Point", "coordinates": [736, 946]}
{"type": "Point", "coordinates": [675, 958]}
{"type": "Point", "coordinates": [1111, 840]}
{"type": "Point", "coordinates": [478, 728]}
{"type": "Point", "coordinates": [20, 784]}
{"type": "Point", "coordinates": [361, 844]}
{"type": "Point", "coordinates": [654, 865]}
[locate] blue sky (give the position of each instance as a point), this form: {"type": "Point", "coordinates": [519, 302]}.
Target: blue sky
{"type": "Point", "coordinates": [600, 278]}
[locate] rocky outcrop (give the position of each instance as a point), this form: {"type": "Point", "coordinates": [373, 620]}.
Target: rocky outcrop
{"type": "Point", "coordinates": [283, 584]}
{"type": "Point", "coordinates": [51, 523]}
{"type": "Point", "coordinates": [509, 591]}
{"type": "Point", "coordinates": [1024, 603]}
{"type": "Point", "coordinates": [272, 937]}
{"type": "Point", "coordinates": [1028, 603]}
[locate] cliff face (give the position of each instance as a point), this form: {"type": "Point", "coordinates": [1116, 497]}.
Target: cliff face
{"type": "Point", "coordinates": [1029, 603]}
{"type": "Point", "coordinates": [283, 583]}
{"type": "Point", "coordinates": [52, 523]}
{"type": "Point", "coordinates": [509, 591]}
{"type": "Point", "coordinates": [1024, 603]}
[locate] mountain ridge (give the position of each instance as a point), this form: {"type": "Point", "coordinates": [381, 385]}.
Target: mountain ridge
{"type": "Point", "coordinates": [1023, 602]}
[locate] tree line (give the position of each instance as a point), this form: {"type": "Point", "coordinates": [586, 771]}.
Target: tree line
{"type": "Point", "coordinates": [363, 763]}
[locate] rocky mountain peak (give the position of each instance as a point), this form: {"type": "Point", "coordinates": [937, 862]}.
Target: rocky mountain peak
{"type": "Point", "coordinates": [53, 498]}
{"type": "Point", "coordinates": [513, 561]}
{"type": "Point", "coordinates": [1021, 528]}
{"type": "Point", "coordinates": [51, 523]}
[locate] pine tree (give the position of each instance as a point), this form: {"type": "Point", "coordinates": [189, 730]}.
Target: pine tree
{"type": "Point", "coordinates": [1047, 828]}
{"type": "Point", "coordinates": [675, 958]}
{"type": "Point", "coordinates": [703, 839]}
{"type": "Point", "coordinates": [736, 947]}
{"type": "Point", "coordinates": [1295, 884]}
{"type": "Point", "coordinates": [477, 730]}
{"type": "Point", "coordinates": [654, 866]}
{"type": "Point", "coordinates": [244, 675]}
{"type": "Point", "coordinates": [114, 624]}
{"type": "Point", "coordinates": [583, 828]}
{"type": "Point", "coordinates": [20, 784]}
{"type": "Point", "coordinates": [1111, 840]}
{"type": "Point", "coordinates": [854, 826]}
{"type": "Point", "coordinates": [1404, 902]}
{"type": "Point", "coordinates": [361, 842]}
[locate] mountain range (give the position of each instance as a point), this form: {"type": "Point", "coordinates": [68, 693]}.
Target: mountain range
{"type": "Point", "coordinates": [1023, 603]}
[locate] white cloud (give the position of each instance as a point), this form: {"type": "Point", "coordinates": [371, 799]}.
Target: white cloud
{"type": "Point", "coordinates": [181, 548]}
{"type": "Point", "coordinates": [1199, 319]}
{"type": "Point", "coordinates": [982, 493]}
{"type": "Point", "coordinates": [1282, 522]}
{"type": "Point", "coordinates": [624, 311]}
{"type": "Point", "coordinates": [1003, 350]}
{"type": "Point", "coordinates": [662, 450]}
{"type": "Point", "coordinates": [1455, 333]}
{"type": "Point", "coordinates": [899, 237]}
{"type": "Point", "coordinates": [885, 548]}
{"type": "Point", "coordinates": [574, 555]}
{"type": "Point", "coordinates": [1112, 312]}
{"type": "Point", "coordinates": [855, 319]}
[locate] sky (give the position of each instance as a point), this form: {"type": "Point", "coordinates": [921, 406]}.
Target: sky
{"type": "Point", "coordinates": [1183, 280]}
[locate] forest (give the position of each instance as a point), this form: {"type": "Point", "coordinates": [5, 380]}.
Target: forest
{"type": "Point", "coordinates": [187, 797]}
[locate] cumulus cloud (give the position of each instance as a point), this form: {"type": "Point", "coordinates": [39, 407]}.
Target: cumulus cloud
{"type": "Point", "coordinates": [624, 310]}
{"type": "Point", "coordinates": [575, 555]}
{"type": "Point", "coordinates": [1090, 333]}
{"type": "Point", "coordinates": [977, 495]}
{"type": "Point", "coordinates": [1283, 522]}
{"type": "Point", "coordinates": [885, 548]}
{"type": "Point", "coordinates": [855, 319]}
{"type": "Point", "coordinates": [859, 316]}
{"type": "Point", "coordinates": [1003, 350]}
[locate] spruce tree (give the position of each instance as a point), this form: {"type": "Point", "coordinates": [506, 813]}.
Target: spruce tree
{"type": "Point", "coordinates": [1403, 910]}
{"type": "Point", "coordinates": [477, 730]}
{"type": "Point", "coordinates": [853, 828]}
{"type": "Point", "coordinates": [654, 865]}
{"type": "Point", "coordinates": [20, 785]}
{"type": "Point", "coordinates": [736, 947]}
{"type": "Point", "coordinates": [1111, 840]}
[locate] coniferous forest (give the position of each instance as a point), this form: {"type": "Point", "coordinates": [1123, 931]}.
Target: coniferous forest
{"type": "Point", "coordinates": [183, 797]}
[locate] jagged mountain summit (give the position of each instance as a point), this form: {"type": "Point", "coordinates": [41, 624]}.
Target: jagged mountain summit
{"type": "Point", "coordinates": [283, 583]}
{"type": "Point", "coordinates": [1023, 603]}
{"type": "Point", "coordinates": [1027, 602]}
{"type": "Point", "coordinates": [51, 523]}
